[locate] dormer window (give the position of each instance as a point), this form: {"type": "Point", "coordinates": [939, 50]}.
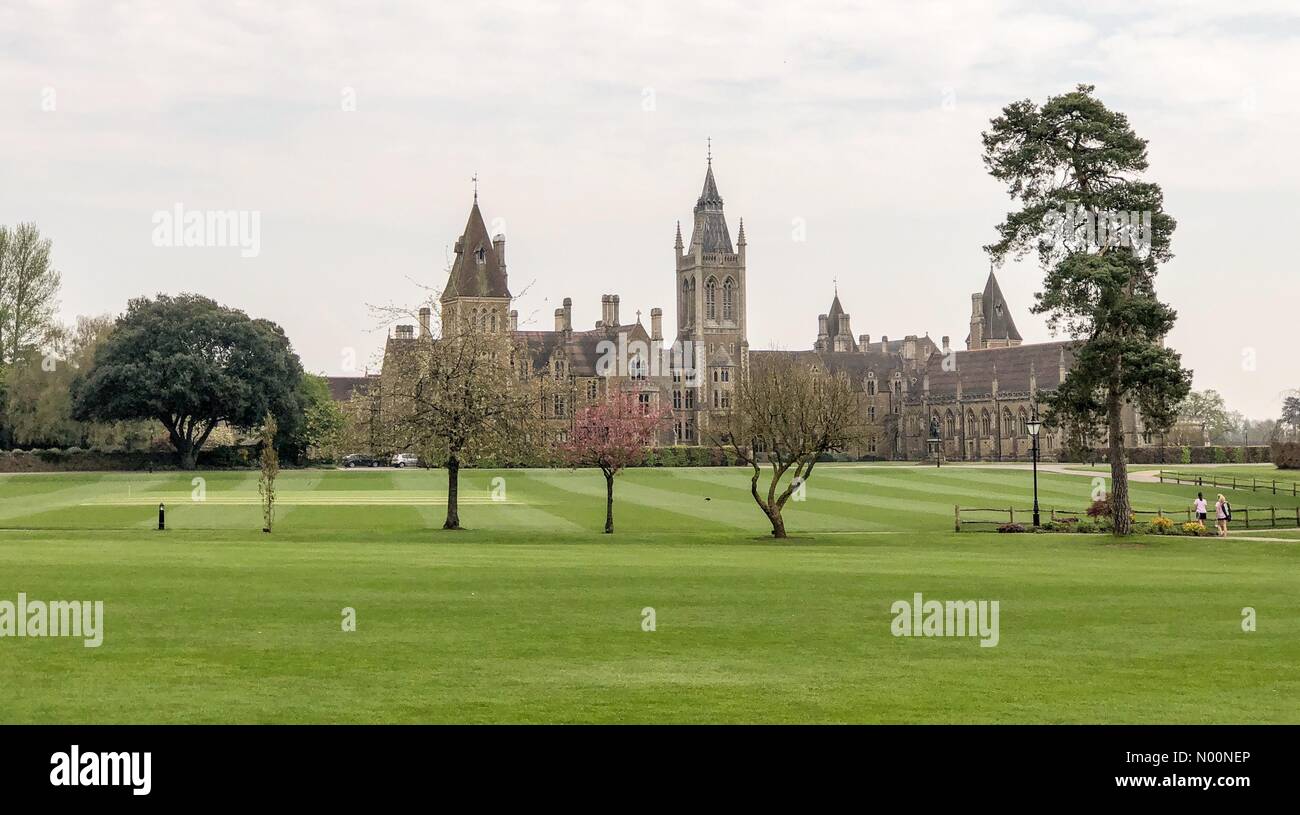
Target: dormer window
{"type": "Point", "coordinates": [480, 255]}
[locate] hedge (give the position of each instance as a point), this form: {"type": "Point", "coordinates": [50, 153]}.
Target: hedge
{"type": "Point", "coordinates": [1214, 454]}
{"type": "Point", "coordinates": [1286, 454]}
{"type": "Point", "coordinates": [75, 459]}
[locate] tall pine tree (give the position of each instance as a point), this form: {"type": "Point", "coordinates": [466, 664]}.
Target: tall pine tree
{"type": "Point", "coordinates": [1076, 169]}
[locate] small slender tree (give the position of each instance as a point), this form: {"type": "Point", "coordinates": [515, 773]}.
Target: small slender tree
{"type": "Point", "coordinates": [1100, 232]}
{"type": "Point", "coordinates": [786, 414]}
{"type": "Point", "coordinates": [270, 469]}
{"type": "Point", "coordinates": [612, 435]}
{"type": "Point", "coordinates": [457, 400]}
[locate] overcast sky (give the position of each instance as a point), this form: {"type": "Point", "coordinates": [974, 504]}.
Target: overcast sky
{"type": "Point", "coordinates": [586, 124]}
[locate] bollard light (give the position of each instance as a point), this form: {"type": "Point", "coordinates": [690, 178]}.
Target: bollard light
{"type": "Point", "coordinates": [162, 517]}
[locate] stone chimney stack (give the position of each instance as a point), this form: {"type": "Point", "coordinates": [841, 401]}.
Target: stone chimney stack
{"type": "Point", "coordinates": [499, 244]}
{"type": "Point", "coordinates": [863, 341]}
{"type": "Point", "coordinates": [425, 313]}
{"type": "Point", "coordinates": [559, 319]}
{"type": "Point", "coordinates": [976, 322]}
{"type": "Point", "coordinates": [613, 309]}
{"type": "Point", "coordinates": [607, 309]}
{"type": "Point", "coordinates": [909, 348]}
{"type": "Point", "coordinates": [946, 347]}
{"type": "Point", "coordinates": [657, 341]}
{"type": "Point", "coordinates": [656, 324]}
{"type": "Point", "coordinates": [405, 332]}
{"type": "Point", "coordinates": [568, 314]}
{"type": "Point", "coordinates": [843, 327]}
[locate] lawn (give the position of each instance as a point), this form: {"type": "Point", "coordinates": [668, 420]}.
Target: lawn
{"type": "Point", "coordinates": [532, 615]}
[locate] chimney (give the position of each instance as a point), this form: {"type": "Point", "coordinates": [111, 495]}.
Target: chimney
{"type": "Point", "coordinates": [658, 364]}
{"type": "Point", "coordinates": [613, 310]}
{"type": "Point", "coordinates": [863, 341]}
{"type": "Point", "coordinates": [843, 328]}
{"type": "Point", "coordinates": [559, 319]}
{"type": "Point", "coordinates": [499, 244]}
{"type": "Point", "coordinates": [514, 320]}
{"type": "Point", "coordinates": [909, 347]}
{"type": "Point", "coordinates": [568, 314]}
{"type": "Point", "coordinates": [656, 324]}
{"type": "Point", "coordinates": [884, 341]}
{"type": "Point", "coordinates": [424, 321]}
{"type": "Point", "coordinates": [604, 310]}
{"type": "Point", "coordinates": [945, 345]}
{"type": "Point", "coordinates": [821, 325]}
{"type": "Point", "coordinates": [866, 339]}
{"type": "Point", "coordinates": [405, 332]}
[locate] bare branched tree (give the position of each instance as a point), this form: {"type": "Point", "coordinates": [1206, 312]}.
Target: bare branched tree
{"type": "Point", "coordinates": [786, 413]}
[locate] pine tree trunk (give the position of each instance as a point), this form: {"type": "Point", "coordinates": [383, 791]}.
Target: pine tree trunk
{"type": "Point", "coordinates": [609, 503]}
{"type": "Point", "coordinates": [1119, 501]}
{"type": "Point", "coordinates": [453, 491]}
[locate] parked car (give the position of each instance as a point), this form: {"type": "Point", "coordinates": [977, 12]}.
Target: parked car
{"type": "Point", "coordinates": [406, 460]}
{"type": "Point", "coordinates": [360, 460]}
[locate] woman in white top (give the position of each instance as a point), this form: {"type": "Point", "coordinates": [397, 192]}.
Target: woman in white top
{"type": "Point", "coordinates": [1222, 513]}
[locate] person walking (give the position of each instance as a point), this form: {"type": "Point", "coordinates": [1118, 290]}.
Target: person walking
{"type": "Point", "coordinates": [1202, 510]}
{"type": "Point", "coordinates": [1223, 514]}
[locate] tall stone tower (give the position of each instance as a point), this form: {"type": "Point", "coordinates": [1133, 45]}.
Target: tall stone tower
{"type": "Point", "coordinates": [477, 294]}
{"type": "Point", "coordinates": [711, 321]}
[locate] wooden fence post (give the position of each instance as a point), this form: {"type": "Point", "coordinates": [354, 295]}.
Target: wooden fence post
{"type": "Point", "coordinates": [1272, 515]}
{"type": "Point", "coordinates": [956, 512]}
{"type": "Point", "coordinates": [1012, 514]}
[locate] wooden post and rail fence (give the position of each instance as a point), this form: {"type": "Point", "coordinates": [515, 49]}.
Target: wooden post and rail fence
{"type": "Point", "coordinates": [1233, 482]}
{"type": "Point", "coordinates": [993, 517]}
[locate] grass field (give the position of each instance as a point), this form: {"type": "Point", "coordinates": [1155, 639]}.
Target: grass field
{"type": "Point", "coordinates": [532, 615]}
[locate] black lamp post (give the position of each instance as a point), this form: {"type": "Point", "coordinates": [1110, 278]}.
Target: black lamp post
{"type": "Point", "coordinates": [1034, 426]}
{"type": "Point", "coordinates": [934, 440]}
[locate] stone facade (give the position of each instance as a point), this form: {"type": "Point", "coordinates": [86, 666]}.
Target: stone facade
{"type": "Point", "coordinates": [980, 398]}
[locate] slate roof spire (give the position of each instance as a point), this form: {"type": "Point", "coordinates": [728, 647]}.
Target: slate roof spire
{"type": "Point", "coordinates": [710, 224]}
{"type": "Point", "coordinates": [477, 271]}
{"type": "Point", "coordinates": [997, 315]}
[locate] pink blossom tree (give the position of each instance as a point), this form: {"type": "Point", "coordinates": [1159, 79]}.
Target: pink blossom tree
{"type": "Point", "coordinates": [611, 435]}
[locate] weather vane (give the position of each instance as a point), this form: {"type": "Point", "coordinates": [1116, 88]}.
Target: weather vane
{"type": "Point", "coordinates": [710, 141]}
{"type": "Point", "coordinates": [475, 180]}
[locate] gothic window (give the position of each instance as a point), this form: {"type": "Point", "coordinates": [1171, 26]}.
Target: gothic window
{"type": "Point", "coordinates": [494, 321]}
{"type": "Point", "coordinates": [690, 398]}
{"type": "Point", "coordinates": [951, 422]}
{"type": "Point", "coordinates": [871, 413]}
{"type": "Point", "coordinates": [871, 444]}
{"type": "Point", "coordinates": [728, 299]}
{"type": "Point", "coordinates": [677, 401]}
{"type": "Point", "coordinates": [1024, 423]}
{"type": "Point", "coordinates": [643, 399]}
{"type": "Point", "coordinates": [559, 405]}
{"type": "Point", "coordinates": [480, 255]}
{"type": "Point", "coordinates": [986, 423]}
{"type": "Point", "coordinates": [970, 423]}
{"type": "Point", "coordinates": [726, 399]}
{"type": "Point", "coordinates": [711, 299]}
{"type": "Point", "coordinates": [725, 374]}
{"type": "Point", "coordinates": [638, 367]}
{"type": "Point", "coordinates": [1008, 423]}
{"type": "Point", "coordinates": [715, 399]}
{"type": "Point", "coordinates": [871, 387]}
{"type": "Point", "coordinates": [591, 389]}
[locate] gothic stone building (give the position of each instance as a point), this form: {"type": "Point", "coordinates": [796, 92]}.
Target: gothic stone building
{"type": "Point", "coordinates": [981, 398]}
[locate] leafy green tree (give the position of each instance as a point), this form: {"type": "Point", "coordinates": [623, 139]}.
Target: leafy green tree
{"type": "Point", "coordinates": [1208, 409]}
{"type": "Point", "coordinates": [320, 432]}
{"type": "Point", "coordinates": [1073, 156]}
{"type": "Point", "coordinates": [191, 364]}
{"type": "Point", "coordinates": [29, 291]}
{"type": "Point", "coordinates": [1291, 413]}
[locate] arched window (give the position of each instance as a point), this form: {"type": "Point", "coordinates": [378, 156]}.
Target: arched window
{"type": "Point", "coordinates": [1024, 423]}
{"type": "Point", "coordinates": [494, 321]}
{"type": "Point", "coordinates": [1008, 424]}
{"type": "Point", "coordinates": [951, 424]}
{"type": "Point", "coordinates": [871, 387]}
{"type": "Point", "coordinates": [711, 299]}
{"type": "Point", "coordinates": [728, 299]}
{"type": "Point", "coordinates": [970, 423]}
{"type": "Point", "coordinates": [986, 422]}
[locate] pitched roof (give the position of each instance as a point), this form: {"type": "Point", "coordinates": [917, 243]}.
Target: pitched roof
{"type": "Point", "coordinates": [1012, 364]}
{"type": "Point", "coordinates": [997, 316]}
{"type": "Point", "coordinates": [476, 271]}
{"type": "Point", "coordinates": [341, 388]}
{"type": "Point", "coordinates": [710, 223]}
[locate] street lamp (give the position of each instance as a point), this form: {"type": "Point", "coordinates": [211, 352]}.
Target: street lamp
{"type": "Point", "coordinates": [934, 439]}
{"type": "Point", "coordinates": [1034, 426]}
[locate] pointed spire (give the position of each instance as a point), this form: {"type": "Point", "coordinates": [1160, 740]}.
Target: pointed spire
{"type": "Point", "coordinates": [740, 238]}
{"type": "Point", "coordinates": [475, 180]}
{"type": "Point", "coordinates": [679, 235]}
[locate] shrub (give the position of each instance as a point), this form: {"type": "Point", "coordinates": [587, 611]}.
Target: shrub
{"type": "Point", "coordinates": [1011, 528]}
{"type": "Point", "coordinates": [1185, 455]}
{"type": "Point", "coordinates": [1100, 508]}
{"type": "Point", "coordinates": [1161, 525]}
{"type": "Point", "coordinates": [1086, 526]}
{"type": "Point", "coordinates": [1286, 455]}
{"type": "Point", "coordinates": [1194, 528]}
